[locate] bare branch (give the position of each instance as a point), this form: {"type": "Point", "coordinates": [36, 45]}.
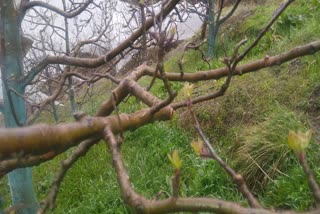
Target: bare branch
{"type": "Point", "coordinates": [276, 15]}
{"type": "Point", "coordinates": [237, 178]}
{"type": "Point", "coordinates": [93, 63]}
{"type": "Point", "coordinates": [81, 150]}
{"type": "Point", "coordinates": [121, 92]}
{"type": "Point", "coordinates": [235, 6]}
{"type": "Point", "coordinates": [7, 166]}
{"type": "Point", "coordinates": [63, 136]}
{"type": "Point", "coordinates": [268, 61]}
{"type": "Point", "coordinates": [55, 9]}
{"type": "Point", "coordinates": [315, 189]}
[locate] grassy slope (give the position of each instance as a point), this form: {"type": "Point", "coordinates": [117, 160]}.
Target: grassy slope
{"type": "Point", "coordinates": [279, 95]}
{"type": "Point", "coordinates": [257, 112]}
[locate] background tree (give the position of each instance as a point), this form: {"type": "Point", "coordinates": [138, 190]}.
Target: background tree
{"type": "Point", "coordinates": [213, 13]}
{"type": "Point", "coordinates": [77, 42]}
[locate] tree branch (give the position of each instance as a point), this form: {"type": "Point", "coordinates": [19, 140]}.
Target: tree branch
{"type": "Point", "coordinates": [81, 150]}
{"type": "Point", "coordinates": [33, 140]}
{"type": "Point", "coordinates": [143, 205]}
{"type": "Point", "coordinates": [276, 15]}
{"type": "Point", "coordinates": [93, 63]}
{"type": "Point", "coordinates": [106, 108]}
{"type": "Point", "coordinates": [311, 180]}
{"type": "Point", "coordinates": [7, 166]}
{"type": "Point", "coordinates": [235, 6]}
{"type": "Point", "coordinates": [55, 9]}
{"type": "Point", "coordinates": [237, 178]}
{"type": "Point", "coordinates": [267, 61]}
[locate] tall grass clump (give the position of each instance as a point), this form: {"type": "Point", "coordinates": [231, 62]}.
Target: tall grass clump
{"type": "Point", "coordinates": [264, 153]}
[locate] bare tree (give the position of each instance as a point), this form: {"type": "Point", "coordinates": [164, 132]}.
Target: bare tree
{"type": "Point", "coordinates": [30, 146]}
{"type": "Point", "coordinates": [57, 37]}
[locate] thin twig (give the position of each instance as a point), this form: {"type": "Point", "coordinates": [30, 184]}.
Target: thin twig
{"type": "Point", "coordinates": [237, 178]}
{"type": "Point", "coordinates": [310, 177]}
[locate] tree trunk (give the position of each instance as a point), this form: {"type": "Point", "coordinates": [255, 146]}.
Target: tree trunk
{"type": "Point", "coordinates": [211, 34]}
{"type": "Point", "coordinates": [67, 40]}
{"type": "Point", "coordinates": [20, 180]}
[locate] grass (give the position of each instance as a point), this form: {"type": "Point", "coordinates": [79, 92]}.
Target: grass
{"type": "Point", "coordinates": [264, 152]}
{"type": "Point", "coordinates": [259, 109]}
{"type": "Point", "coordinates": [150, 169]}
{"type": "Point", "coordinates": [290, 191]}
{"type": "Point", "coordinates": [90, 186]}
{"type": "Point", "coordinates": [256, 114]}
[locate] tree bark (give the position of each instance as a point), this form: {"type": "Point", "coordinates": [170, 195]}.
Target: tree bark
{"type": "Point", "coordinates": [20, 180]}
{"type": "Point", "coordinates": [211, 34]}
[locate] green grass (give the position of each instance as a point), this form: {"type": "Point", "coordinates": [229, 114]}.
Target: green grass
{"type": "Point", "coordinates": [90, 186]}
{"type": "Point", "coordinates": [290, 191]}
{"type": "Point", "coordinates": [264, 152]}
{"type": "Point", "coordinates": [151, 171]}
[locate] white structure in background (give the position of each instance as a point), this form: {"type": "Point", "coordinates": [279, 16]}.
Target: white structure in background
{"type": "Point", "coordinates": [185, 29]}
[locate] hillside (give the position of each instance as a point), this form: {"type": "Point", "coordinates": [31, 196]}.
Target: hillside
{"type": "Point", "coordinates": [248, 126]}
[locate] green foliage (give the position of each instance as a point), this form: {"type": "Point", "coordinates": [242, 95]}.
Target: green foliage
{"type": "Point", "coordinates": [210, 179]}
{"type": "Point", "coordinates": [315, 4]}
{"type": "Point", "coordinates": [256, 23]}
{"type": "Point", "coordinates": [300, 19]}
{"type": "Point", "coordinates": [146, 150]}
{"type": "Point", "coordinates": [264, 151]}
{"type": "Point", "coordinates": [89, 187]}
{"type": "Point", "coordinates": [290, 191]}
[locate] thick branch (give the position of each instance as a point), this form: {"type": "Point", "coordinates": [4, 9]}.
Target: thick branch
{"type": "Point", "coordinates": [205, 205]}
{"type": "Point", "coordinates": [34, 140]}
{"type": "Point", "coordinates": [268, 61]}
{"type": "Point", "coordinates": [7, 166]}
{"type": "Point", "coordinates": [8, 136]}
{"type": "Point", "coordinates": [121, 91]}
